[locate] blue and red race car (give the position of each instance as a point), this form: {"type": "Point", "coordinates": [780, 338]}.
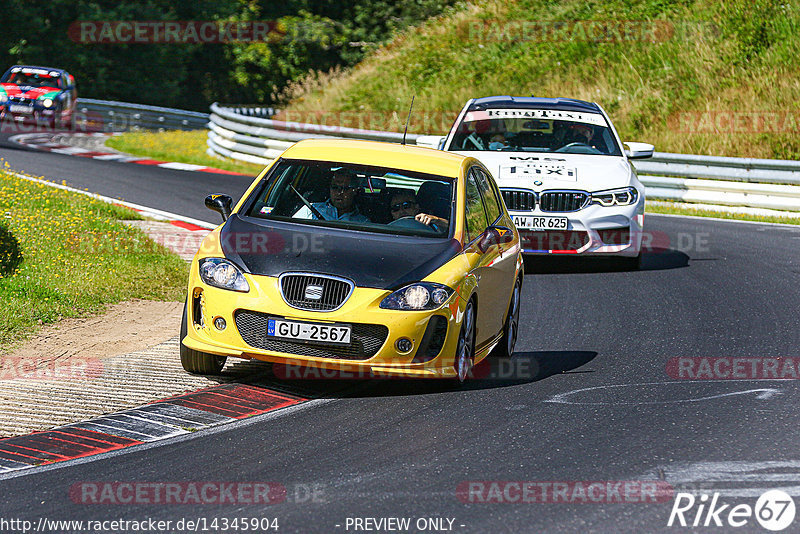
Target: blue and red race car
{"type": "Point", "coordinates": [42, 95]}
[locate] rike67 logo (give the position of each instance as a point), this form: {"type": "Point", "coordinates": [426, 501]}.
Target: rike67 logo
{"type": "Point", "coordinates": [774, 510]}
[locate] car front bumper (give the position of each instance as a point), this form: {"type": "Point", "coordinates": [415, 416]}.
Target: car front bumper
{"type": "Point", "coordinates": [245, 335]}
{"type": "Point", "coordinates": [28, 114]}
{"type": "Point", "coordinates": [595, 231]}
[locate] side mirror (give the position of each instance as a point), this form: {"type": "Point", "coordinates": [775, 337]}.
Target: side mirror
{"type": "Point", "coordinates": [495, 235]}
{"type": "Point", "coordinates": [431, 141]}
{"type": "Point", "coordinates": [639, 150]}
{"type": "Point", "coordinates": [221, 204]}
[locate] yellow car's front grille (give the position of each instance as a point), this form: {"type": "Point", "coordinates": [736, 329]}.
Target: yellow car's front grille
{"type": "Point", "coordinates": [365, 339]}
{"type": "Point", "coordinates": [315, 292]}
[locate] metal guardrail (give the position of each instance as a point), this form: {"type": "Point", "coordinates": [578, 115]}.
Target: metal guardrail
{"type": "Point", "coordinates": [253, 111]}
{"type": "Point", "coordinates": [110, 116]}
{"type": "Point", "coordinates": [774, 171]}
{"type": "Point", "coordinates": [240, 133]}
{"type": "Point", "coordinates": [744, 182]}
{"type": "Point", "coordinates": [246, 136]}
{"type": "Point", "coordinates": [723, 193]}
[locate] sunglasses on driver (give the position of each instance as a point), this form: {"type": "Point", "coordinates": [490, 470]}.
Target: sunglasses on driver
{"type": "Point", "coordinates": [341, 188]}
{"type": "Point", "coordinates": [403, 205]}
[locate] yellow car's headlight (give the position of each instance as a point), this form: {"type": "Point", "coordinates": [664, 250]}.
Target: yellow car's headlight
{"type": "Point", "coordinates": [419, 296]}
{"type": "Point", "coordinates": [223, 274]}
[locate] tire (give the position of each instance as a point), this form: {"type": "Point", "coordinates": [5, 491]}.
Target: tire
{"type": "Point", "coordinates": [505, 348]}
{"type": "Point", "coordinates": [58, 122]}
{"type": "Point", "coordinates": [465, 350]}
{"type": "Point", "coordinates": [196, 362]}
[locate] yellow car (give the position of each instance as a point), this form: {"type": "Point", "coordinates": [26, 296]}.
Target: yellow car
{"type": "Point", "coordinates": [359, 257]}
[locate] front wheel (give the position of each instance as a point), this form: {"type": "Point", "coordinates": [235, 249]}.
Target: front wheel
{"type": "Point", "coordinates": [465, 351]}
{"type": "Point", "coordinates": [505, 349]}
{"type": "Point", "coordinates": [58, 120]}
{"type": "Point", "coordinates": [196, 362]}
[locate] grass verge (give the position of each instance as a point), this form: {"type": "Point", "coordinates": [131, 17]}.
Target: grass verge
{"type": "Point", "coordinates": [177, 145]}
{"type": "Point", "coordinates": [669, 209]}
{"type": "Point", "coordinates": [68, 255]}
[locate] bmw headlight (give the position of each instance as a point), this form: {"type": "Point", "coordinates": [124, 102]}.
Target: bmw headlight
{"type": "Point", "coordinates": [47, 102]}
{"type": "Point", "coordinates": [616, 197]}
{"type": "Point", "coordinates": [223, 274]}
{"type": "Point", "coordinates": [419, 296]}
{"type": "Point", "coordinates": [3, 98]}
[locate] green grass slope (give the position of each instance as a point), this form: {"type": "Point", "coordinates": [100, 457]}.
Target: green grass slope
{"type": "Point", "coordinates": [68, 255]}
{"type": "Point", "coordinates": [699, 76]}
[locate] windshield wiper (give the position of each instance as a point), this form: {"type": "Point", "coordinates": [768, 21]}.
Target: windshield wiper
{"type": "Point", "coordinates": [314, 210]}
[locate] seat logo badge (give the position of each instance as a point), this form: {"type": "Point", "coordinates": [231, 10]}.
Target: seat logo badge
{"type": "Point", "coordinates": [313, 292]}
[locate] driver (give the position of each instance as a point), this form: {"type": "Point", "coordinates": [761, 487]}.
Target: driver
{"type": "Point", "coordinates": [404, 204]}
{"type": "Point", "coordinates": [579, 133]}
{"type": "Point", "coordinates": [498, 142]}
{"type": "Point", "coordinates": [340, 206]}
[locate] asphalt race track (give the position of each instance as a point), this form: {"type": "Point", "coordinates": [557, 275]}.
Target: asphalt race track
{"type": "Point", "coordinates": [589, 396]}
{"type": "Point", "coordinates": [169, 190]}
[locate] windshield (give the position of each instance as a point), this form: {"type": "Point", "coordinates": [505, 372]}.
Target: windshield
{"type": "Point", "coordinates": [532, 130]}
{"type": "Point", "coordinates": [34, 79]}
{"type": "Point", "coordinates": [372, 199]}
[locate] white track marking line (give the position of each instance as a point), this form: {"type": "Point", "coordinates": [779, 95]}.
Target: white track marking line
{"type": "Point", "coordinates": [561, 398]}
{"type": "Point", "coordinates": [111, 157]}
{"type": "Point", "coordinates": [70, 150]}
{"type": "Point", "coordinates": [181, 166]}
{"type": "Point", "coordinates": [43, 141]}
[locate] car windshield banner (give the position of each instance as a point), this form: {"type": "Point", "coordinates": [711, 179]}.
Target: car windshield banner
{"type": "Point", "coordinates": [549, 114]}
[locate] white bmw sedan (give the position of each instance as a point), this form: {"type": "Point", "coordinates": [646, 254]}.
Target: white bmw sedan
{"type": "Point", "coordinates": [562, 171]}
